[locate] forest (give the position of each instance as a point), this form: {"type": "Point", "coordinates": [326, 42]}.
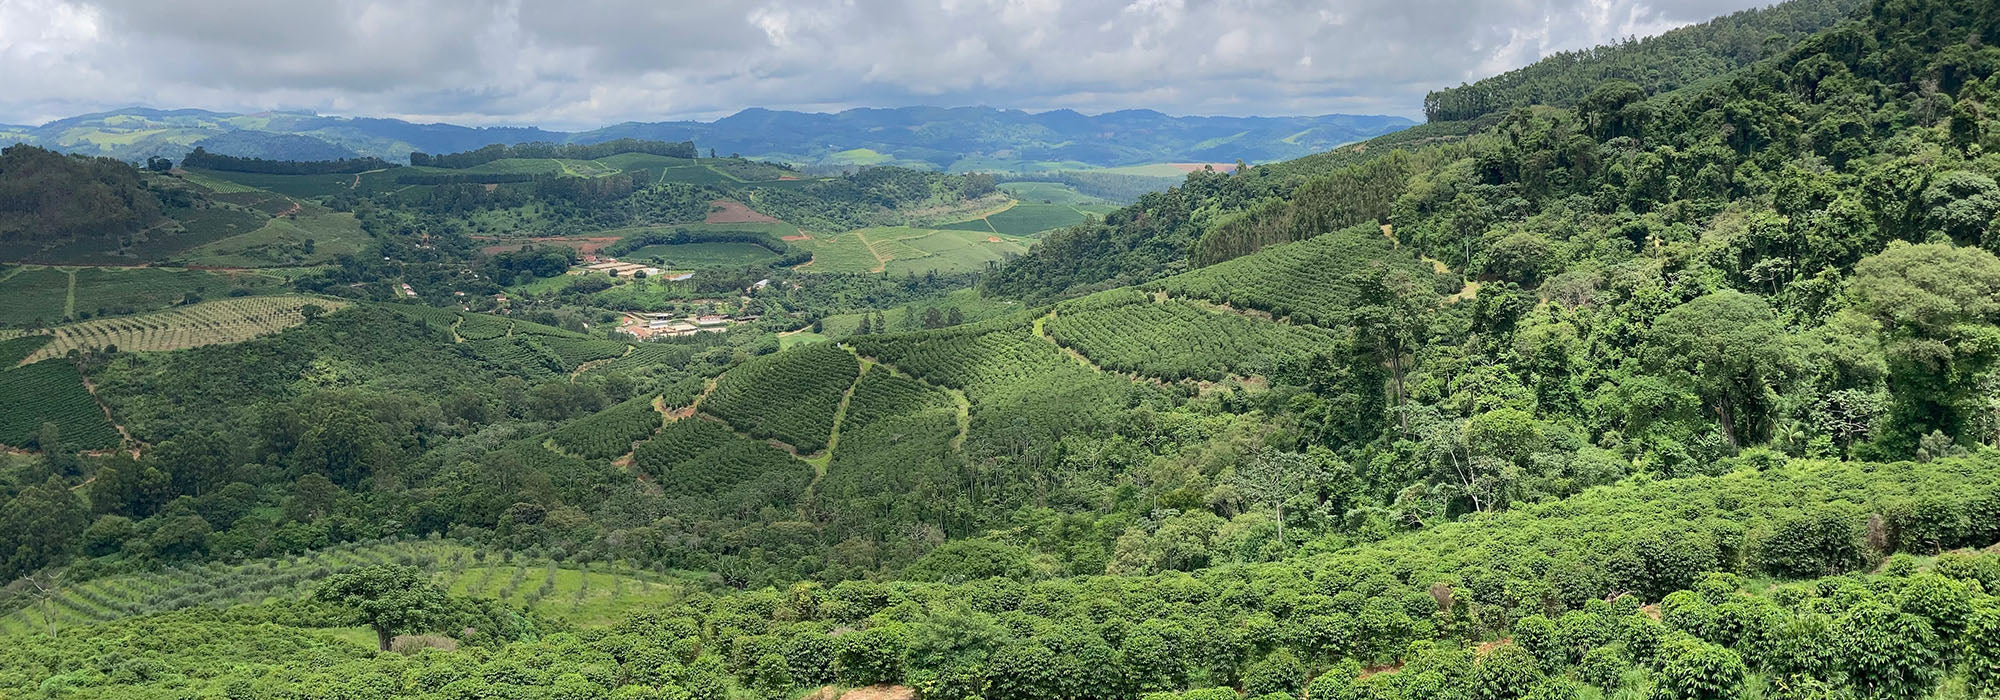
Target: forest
{"type": "Point", "coordinates": [1604, 386]}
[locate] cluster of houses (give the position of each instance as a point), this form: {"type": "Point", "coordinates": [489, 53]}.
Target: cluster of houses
{"type": "Point", "coordinates": [674, 325]}
{"type": "Point", "coordinates": [615, 268]}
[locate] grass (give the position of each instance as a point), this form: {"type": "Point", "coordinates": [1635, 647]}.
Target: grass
{"type": "Point", "coordinates": [1030, 218]}
{"type": "Point", "coordinates": [787, 341]}
{"type": "Point", "coordinates": [846, 252]}
{"type": "Point", "coordinates": [902, 250]}
{"type": "Point", "coordinates": [858, 156]}
{"type": "Point", "coordinates": [281, 241]}
{"type": "Point", "coordinates": [1050, 193]}
{"type": "Point", "coordinates": [34, 294]}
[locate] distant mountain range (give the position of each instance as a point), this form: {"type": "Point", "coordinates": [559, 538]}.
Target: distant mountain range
{"type": "Point", "coordinates": [961, 138]}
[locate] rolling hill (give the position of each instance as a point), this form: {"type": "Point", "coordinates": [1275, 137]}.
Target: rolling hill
{"type": "Point", "coordinates": [958, 139]}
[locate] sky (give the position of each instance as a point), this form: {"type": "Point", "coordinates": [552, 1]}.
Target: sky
{"type": "Point", "coordinates": [578, 64]}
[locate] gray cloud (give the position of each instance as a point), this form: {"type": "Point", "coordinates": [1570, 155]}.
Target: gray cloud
{"type": "Point", "coordinates": [584, 63]}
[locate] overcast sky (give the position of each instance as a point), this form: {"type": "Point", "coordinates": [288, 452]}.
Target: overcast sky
{"type": "Point", "coordinates": [585, 63]}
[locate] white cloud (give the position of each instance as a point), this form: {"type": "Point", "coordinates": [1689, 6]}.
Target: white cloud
{"type": "Point", "coordinates": [583, 63]}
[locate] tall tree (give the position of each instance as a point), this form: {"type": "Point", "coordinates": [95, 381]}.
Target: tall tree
{"type": "Point", "coordinates": [1730, 349]}
{"type": "Point", "coordinates": [389, 599]}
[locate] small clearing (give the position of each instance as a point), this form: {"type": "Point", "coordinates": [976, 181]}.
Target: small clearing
{"type": "Point", "coordinates": [723, 211]}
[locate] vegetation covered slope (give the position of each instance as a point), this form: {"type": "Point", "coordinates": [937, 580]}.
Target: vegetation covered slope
{"type": "Point", "coordinates": [1682, 395]}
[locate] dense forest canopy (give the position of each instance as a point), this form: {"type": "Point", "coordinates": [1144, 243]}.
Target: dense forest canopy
{"type": "Point", "coordinates": [1616, 388]}
{"type": "Point", "coordinates": [201, 158]}
{"type": "Point", "coordinates": [490, 153]}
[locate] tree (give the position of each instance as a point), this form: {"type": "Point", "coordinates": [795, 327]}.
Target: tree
{"type": "Point", "coordinates": [1731, 349]}
{"type": "Point", "coordinates": [1277, 479]}
{"type": "Point", "coordinates": [390, 599]}
{"type": "Point", "coordinates": [311, 311]}
{"type": "Point", "coordinates": [61, 460]}
{"type": "Point", "coordinates": [933, 318]}
{"type": "Point", "coordinates": [39, 527]}
{"type": "Point", "coordinates": [954, 317]}
{"type": "Point", "coordinates": [1936, 303]}
{"type": "Point", "coordinates": [1391, 318]}
{"type": "Point", "coordinates": [158, 164]}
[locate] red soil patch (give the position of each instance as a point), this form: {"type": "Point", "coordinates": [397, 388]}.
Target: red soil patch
{"type": "Point", "coordinates": [881, 692]}
{"type": "Point", "coordinates": [723, 211]}
{"type": "Point", "coordinates": [585, 245]}
{"type": "Point", "coordinates": [992, 239]}
{"type": "Point", "coordinates": [1488, 647]}
{"type": "Point", "coordinates": [788, 177]}
{"type": "Point", "coordinates": [1372, 670]}
{"type": "Point", "coordinates": [796, 237]}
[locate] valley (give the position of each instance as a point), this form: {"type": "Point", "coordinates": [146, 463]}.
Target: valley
{"type": "Point", "coordinates": [1661, 369]}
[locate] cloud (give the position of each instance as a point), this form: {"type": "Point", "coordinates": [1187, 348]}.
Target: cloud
{"type": "Point", "coordinates": [584, 63]}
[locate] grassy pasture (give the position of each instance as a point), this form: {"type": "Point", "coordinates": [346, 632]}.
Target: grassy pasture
{"type": "Point", "coordinates": [33, 294]}
{"type": "Point", "coordinates": [281, 241]}
{"type": "Point", "coordinates": [309, 186]}
{"type": "Point", "coordinates": [112, 291]}
{"type": "Point", "coordinates": [51, 294]}
{"type": "Point", "coordinates": [904, 250]}
{"type": "Point", "coordinates": [1050, 193]}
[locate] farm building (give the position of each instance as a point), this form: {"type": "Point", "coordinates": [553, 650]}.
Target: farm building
{"type": "Point", "coordinates": [616, 269]}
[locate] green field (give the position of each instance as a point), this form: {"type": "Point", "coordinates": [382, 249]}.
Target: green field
{"type": "Point", "coordinates": [903, 250]}
{"type": "Point", "coordinates": [33, 294]}
{"type": "Point", "coordinates": [596, 594]}
{"type": "Point", "coordinates": [51, 391]}
{"type": "Point", "coordinates": [282, 241]}
{"type": "Point", "coordinates": [694, 255]}
{"type": "Point", "coordinates": [1149, 170]}
{"type": "Point", "coordinates": [50, 294]}
{"type": "Point", "coordinates": [1053, 193]}
{"type": "Point", "coordinates": [312, 186]}
{"type": "Point", "coordinates": [910, 316]}
{"type": "Point", "coordinates": [1027, 219]}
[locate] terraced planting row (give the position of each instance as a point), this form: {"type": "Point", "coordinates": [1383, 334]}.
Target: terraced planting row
{"type": "Point", "coordinates": [1021, 386]}
{"type": "Point", "coordinates": [704, 463]}
{"type": "Point", "coordinates": [610, 432]}
{"type": "Point", "coordinates": [1315, 281]}
{"type": "Point", "coordinates": [791, 396]}
{"type": "Point", "coordinates": [207, 323]}
{"type": "Point", "coordinates": [1173, 340]}
{"type": "Point", "coordinates": [52, 391]}
{"type": "Point", "coordinates": [583, 593]}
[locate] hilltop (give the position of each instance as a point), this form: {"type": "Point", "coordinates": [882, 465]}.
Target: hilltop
{"type": "Point", "coordinates": [957, 139]}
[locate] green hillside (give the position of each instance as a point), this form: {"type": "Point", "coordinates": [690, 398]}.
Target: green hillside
{"type": "Point", "coordinates": [1631, 384]}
